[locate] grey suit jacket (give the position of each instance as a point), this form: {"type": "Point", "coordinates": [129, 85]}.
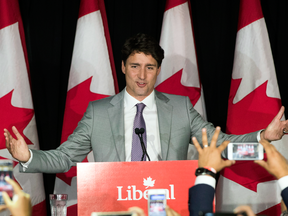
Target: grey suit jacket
{"type": "Point", "coordinates": [102, 130]}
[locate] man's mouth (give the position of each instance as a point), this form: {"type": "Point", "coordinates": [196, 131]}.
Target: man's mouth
{"type": "Point", "coordinates": [141, 84]}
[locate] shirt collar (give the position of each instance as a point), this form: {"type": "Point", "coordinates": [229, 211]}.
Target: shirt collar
{"type": "Point", "coordinates": [130, 102]}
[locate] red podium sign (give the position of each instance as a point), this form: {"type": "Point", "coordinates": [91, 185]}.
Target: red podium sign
{"type": "Point", "coordinates": [116, 186]}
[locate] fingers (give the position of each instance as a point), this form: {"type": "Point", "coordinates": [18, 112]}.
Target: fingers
{"type": "Point", "coordinates": [14, 184]}
{"type": "Point", "coordinates": [267, 146]}
{"type": "Point", "coordinates": [197, 145]}
{"type": "Point", "coordinates": [7, 136]}
{"type": "Point", "coordinates": [204, 137]}
{"type": "Point", "coordinates": [244, 208]}
{"type": "Point", "coordinates": [136, 211]}
{"type": "Point", "coordinates": [280, 113]}
{"type": "Point", "coordinates": [262, 163]}
{"type": "Point", "coordinates": [228, 163]}
{"type": "Point", "coordinates": [3, 207]}
{"type": "Point", "coordinates": [171, 212]}
{"type": "Point", "coordinates": [215, 137]}
{"type": "Point", "coordinates": [223, 145]}
{"type": "Point", "coordinates": [17, 134]}
{"type": "Point", "coordinates": [6, 198]}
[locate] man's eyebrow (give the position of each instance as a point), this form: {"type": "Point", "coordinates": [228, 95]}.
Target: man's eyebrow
{"type": "Point", "coordinates": [134, 63]}
{"type": "Point", "coordinates": [151, 65]}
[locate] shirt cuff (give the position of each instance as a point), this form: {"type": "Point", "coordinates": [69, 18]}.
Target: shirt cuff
{"type": "Point", "coordinates": [283, 182]}
{"type": "Point", "coordinates": [258, 135]}
{"type": "Point", "coordinates": [209, 180]}
{"type": "Point", "coordinates": [25, 165]}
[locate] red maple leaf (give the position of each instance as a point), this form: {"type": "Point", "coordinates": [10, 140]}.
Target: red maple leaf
{"type": "Point", "coordinates": [13, 116]}
{"type": "Point", "coordinates": [77, 102]}
{"type": "Point", "coordinates": [173, 85]}
{"type": "Point", "coordinates": [252, 113]}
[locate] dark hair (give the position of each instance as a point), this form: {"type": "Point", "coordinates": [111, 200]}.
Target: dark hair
{"type": "Point", "coordinates": [142, 43]}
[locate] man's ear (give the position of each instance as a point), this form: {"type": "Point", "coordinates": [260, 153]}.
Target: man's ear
{"type": "Point", "coordinates": [158, 70]}
{"type": "Point", "coordinates": [123, 67]}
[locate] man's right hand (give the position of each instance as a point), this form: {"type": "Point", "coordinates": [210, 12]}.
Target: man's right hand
{"type": "Point", "coordinates": [17, 147]}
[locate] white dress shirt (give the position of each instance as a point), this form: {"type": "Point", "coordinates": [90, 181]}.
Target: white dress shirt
{"type": "Point", "coordinates": [151, 121]}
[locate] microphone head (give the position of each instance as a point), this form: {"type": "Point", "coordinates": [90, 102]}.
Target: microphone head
{"type": "Point", "coordinates": [137, 131]}
{"type": "Point", "coordinates": [141, 130]}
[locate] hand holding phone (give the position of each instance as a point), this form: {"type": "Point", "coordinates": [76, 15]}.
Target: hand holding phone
{"type": "Point", "coordinates": [6, 169]}
{"type": "Point", "coordinates": [245, 151]}
{"type": "Point", "coordinates": [156, 202]}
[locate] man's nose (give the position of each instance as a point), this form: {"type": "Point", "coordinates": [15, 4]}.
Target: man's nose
{"type": "Point", "coordinates": [142, 74]}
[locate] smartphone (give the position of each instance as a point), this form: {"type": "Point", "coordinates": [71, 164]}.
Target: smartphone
{"type": "Point", "coordinates": [223, 214]}
{"type": "Point", "coordinates": [156, 202]}
{"type": "Point", "coordinates": [6, 169]}
{"type": "Point", "coordinates": [245, 151]}
{"type": "Point", "coordinates": [120, 213]}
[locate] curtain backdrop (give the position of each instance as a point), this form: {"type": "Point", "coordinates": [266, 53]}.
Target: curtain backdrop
{"type": "Point", "coordinates": [50, 30]}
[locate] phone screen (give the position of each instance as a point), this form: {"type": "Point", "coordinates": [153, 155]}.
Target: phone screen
{"type": "Point", "coordinates": [249, 151]}
{"type": "Point", "coordinates": [157, 205]}
{"type": "Point", "coordinates": [6, 169]}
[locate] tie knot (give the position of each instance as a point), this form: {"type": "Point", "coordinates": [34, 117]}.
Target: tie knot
{"type": "Point", "coordinates": [140, 107]}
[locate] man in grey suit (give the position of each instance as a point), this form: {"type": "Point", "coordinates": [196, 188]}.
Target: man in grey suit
{"type": "Point", "coordinates": [107, 125]}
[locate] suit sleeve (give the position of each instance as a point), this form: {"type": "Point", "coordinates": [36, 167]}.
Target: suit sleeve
{"type": "Point", "coordinates": [75, 149]}
{"type": "Point", "coordinates": [197, 123]}
{"type": "Point", "coordinates": [284, 195]}
{"type": "Point", "coordinates": [200, 199]}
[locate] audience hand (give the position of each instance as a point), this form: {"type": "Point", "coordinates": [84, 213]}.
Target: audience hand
{"type": "Point", "coordinates": [139, 212]}
{"type": "Point", "coordinates": [210, 156]}
{"type": "Point", "coordinates": [276, 164]}
{"type": "Point", "coordinates": [171, 212]}
{"type": "Point", "coordinates": [244, 208]}
{"type": "Point", "coordinates": [21, 204]}
{"type": "Point", "coordinates": [17, 147]}
{"type": "Point", "coordinates": [136, 211]}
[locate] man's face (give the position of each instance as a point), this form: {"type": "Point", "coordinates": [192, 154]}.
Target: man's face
{"type": "Point", "coordinates": [141, 72]}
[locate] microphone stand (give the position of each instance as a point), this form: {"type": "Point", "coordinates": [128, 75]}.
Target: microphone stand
{"type": "Point", "coordinates": [140, 133]}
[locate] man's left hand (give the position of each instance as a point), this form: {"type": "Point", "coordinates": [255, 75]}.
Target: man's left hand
{"type": "Point", "coordinates": [276, 129]}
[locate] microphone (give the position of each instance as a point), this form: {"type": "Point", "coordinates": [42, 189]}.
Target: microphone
{"type": "Point", "coordinates": [140, 133]}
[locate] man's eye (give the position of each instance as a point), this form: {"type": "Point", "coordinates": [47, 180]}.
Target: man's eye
{"type": "Point", "coordinates": [150, 68]}
{"type": "Point", "coordinates": [133, 66]}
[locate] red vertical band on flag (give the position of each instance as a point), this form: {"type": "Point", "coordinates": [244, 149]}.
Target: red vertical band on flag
{"type": "Point", "coordinates": [249, 12]}
{"type": "Point", "coordinates": [87, 7]}
{"type": "Point", "coordinates": [171, 4]}
{"type": "Point", "coordinates": [6, 17]}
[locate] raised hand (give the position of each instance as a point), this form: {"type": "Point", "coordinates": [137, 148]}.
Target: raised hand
{"type": "Point", "coordinates": [210, 156]}
{"type": "Point", "coordinates": [276, 129]}
{"type": "Point", "coordinates": [242, 209]}
{"type": "Point", "coordinates": [20, 206]}
{"type": "Point", "coordinates": [17, 147]}
{"type": "Point", "coordinates": [276, 164]}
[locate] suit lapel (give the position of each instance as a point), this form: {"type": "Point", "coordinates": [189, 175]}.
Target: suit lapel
{"type": "Point", "coordinates": [116, 116]}
{"type": "Point", "coordinates": [164, 111]}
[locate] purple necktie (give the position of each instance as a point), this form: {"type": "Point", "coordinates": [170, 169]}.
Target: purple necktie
{"type": "Point", "coordinates": [137, 152]}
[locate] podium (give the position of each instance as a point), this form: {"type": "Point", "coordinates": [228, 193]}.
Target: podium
{"type": "Point", "coordinates": [116, 186]}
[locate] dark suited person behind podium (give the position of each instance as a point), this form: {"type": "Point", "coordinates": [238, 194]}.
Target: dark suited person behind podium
{"type": "Point", "coordinates": [108, 125]}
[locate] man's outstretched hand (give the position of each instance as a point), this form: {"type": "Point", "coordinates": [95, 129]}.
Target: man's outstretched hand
{"type": "Point", "coordinates": [276, 129]}
{"type": "Point", "coordinates": [17, 147]}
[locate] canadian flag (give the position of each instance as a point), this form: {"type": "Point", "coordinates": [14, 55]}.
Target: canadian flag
{"type": "Point", "coordinates": [253, 102]}
{"type": "Point", "coordinates": [16, 106]}
{"type": "Point", "coordinates": [179, 71]}
{"type": "Point", "coordinates": [92, 77]}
